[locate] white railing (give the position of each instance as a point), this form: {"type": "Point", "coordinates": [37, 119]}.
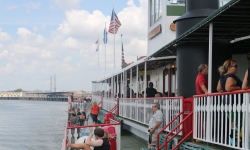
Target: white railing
{"type": "Point", "coordinates": [222, 118]}
{"type": "Point", "coordinates": [108, 103]}
{"type": "Point", "coordinates": [140, 109]}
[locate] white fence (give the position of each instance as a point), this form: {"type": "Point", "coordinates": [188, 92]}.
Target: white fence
{"type": "Point", "coordinates": [222, 118]}
{"type": "Point", "coordinates": [109, 103]}
{"type": "Point", "coordinates": [140, 109]}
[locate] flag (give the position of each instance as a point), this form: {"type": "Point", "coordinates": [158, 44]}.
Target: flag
{"type": "Point", "coordinates": [114, 23]}
{"type": "Point", "coordinates": [97, 48]}
{"type": "Point", "coordinates": [123, 59]}
{"type": "Point", "coordinates": [105, 38]}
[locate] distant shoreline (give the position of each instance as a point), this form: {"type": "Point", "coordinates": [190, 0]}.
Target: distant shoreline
{"type": "Point", "coordinates": [59, 99]}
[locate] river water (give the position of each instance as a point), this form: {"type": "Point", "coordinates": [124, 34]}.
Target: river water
{"type": "Point", "coordinates": [30, 125]}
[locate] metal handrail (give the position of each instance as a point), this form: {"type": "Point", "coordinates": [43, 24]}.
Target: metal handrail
{"type": "Point", "coordinates": [184, 138]}
{"type": "Point", "coordinates": [158, 134]}
{"type": "Point", "coordinates": [222, 93]}
{"type": "Point", "coordinates": [171, 132]}
{"type": "Point", "coordinates": [153, 98]}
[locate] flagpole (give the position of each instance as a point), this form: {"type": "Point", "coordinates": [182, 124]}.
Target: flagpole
{"type": "Point", "coordinates": [114, 55]}
{"type": "Point", "coordinates": [105, 50]}
{"type": "Point", "coordinates": [114, 44]}
{"type": "Point", "coordinates": [121, 51]}
{"type": "Point", "coordinates": [98, 60]}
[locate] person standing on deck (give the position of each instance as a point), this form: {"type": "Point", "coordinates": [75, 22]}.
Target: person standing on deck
{"type": "Point", "coordinates": [201, 85]}
{"type": "Point", "coordinates": [95, 111]}
{"type": "Point", "coordinates": [246, 81]}
{"type": "Point", "coordinates": [150, 92]}
{"type": "Point", "coordinates": [128, 92]}
{"type": "Point", "coordinates": [227, 83]}
{"type": "Point", "coordinates": [201, 82]}
{"type": "Point", "coordinates": [155, 125]}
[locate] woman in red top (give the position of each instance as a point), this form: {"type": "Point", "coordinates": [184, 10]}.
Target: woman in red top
{"type": "Point", "coordinates": [94, 112]}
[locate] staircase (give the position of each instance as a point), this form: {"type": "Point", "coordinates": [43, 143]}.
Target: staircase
{"type": "Point", "coordinates": [162, 141]}
{"type": "Point", "coordinates": [202, 146]}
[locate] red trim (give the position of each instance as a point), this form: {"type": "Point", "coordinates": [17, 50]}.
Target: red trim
{"type": "Point", "coordinates": [154, 98]}
{"type": "Point", "coordinates": [93, 125]}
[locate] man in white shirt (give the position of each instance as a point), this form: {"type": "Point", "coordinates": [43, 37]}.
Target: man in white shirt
{"type": "Point", "coordinates": [155, 124]}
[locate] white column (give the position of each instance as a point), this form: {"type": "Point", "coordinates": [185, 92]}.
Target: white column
{"type": "Point", "coordinates": [145, 79]}
{"type": "Point", "coordinates": [208, 122]}
{"type": "Point", "coordinates": [130, 82]}
{"type": "Point", "coordinates": [136, 84]}
{"type": "Point", "coordinates": [117, 84]}
{"type": "Point", "coordinates": [125, 85]}
{"type": "Point", "coordinates": [210, 57]}
{"type": "Point", "coordinates": [112, 93]}
{"type": "Point", "coordinates": [121, 86]}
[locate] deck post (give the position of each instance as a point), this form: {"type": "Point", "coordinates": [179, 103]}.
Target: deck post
{"type": "Point", "coordinates": [130, 82]}
{"type": "Point", "coordinates": [145, 79]}
{"type": "Point", "coordinates": [121, 86]}
{"type": "Point", "coordinates": [208, 122]}
{"type": "Point", "coordinates": [136, 86]}
{"type": "Point", "coordinates": [117, 85]}
{"type": "Point", "coordinates": [145, 86]}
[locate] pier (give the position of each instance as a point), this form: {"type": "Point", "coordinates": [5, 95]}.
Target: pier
{"type": "Point", "coordinates": [37, 96]}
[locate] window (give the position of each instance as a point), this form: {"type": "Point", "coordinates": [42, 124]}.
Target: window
{"type": "Point", "coordinates": [176, 1]}
{"type": "Point", "coordinates": [155, 11]}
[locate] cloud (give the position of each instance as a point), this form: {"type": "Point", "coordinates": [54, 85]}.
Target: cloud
{"type": "Point", "coordinates": [4, 36]}
{"type": "Point", "coordinates": [66, 4]}
{"type": "Point", "coordinates": [69, 50]}
{"type": "Point", "coordinates": [11, 7]}
{"type": "Point", "coordinates": [28, 6]}
{"type": "Point", "coordinates": [31, 5]}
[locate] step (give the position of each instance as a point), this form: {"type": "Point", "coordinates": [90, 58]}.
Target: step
{"type": "Point", "coordinates": [202, 146]}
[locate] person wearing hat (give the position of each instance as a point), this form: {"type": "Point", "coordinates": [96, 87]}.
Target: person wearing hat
{"type": "Point", "coordinates": [101, 142]}
{"type": "Point", "coordinates": [150, 91]}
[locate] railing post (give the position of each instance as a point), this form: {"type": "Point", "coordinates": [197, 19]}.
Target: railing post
{"type": "Point", "coordinates": [118, 108]}
{"type": "Point", "coordinates": [208, 122]}
{"type": "Point", "coordinates": [246, 101]}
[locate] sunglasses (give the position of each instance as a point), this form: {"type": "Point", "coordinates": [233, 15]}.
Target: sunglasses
{"type": "Point", "coordinates": [236, 66]}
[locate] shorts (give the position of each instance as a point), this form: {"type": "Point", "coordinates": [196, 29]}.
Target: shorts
{"type": "Point", "coordinates": [94, 117]}
{"type": "Point", "coordinates": [152, 139]}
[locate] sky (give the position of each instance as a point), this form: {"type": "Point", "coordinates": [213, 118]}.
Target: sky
{"type": "Point", "coordinates": [42, 38]}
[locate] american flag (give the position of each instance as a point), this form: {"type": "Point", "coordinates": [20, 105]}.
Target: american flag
{"type": "Point", "coordinates": [114, 23]}
{"type": "Point", "coordinates": [123, 59]}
